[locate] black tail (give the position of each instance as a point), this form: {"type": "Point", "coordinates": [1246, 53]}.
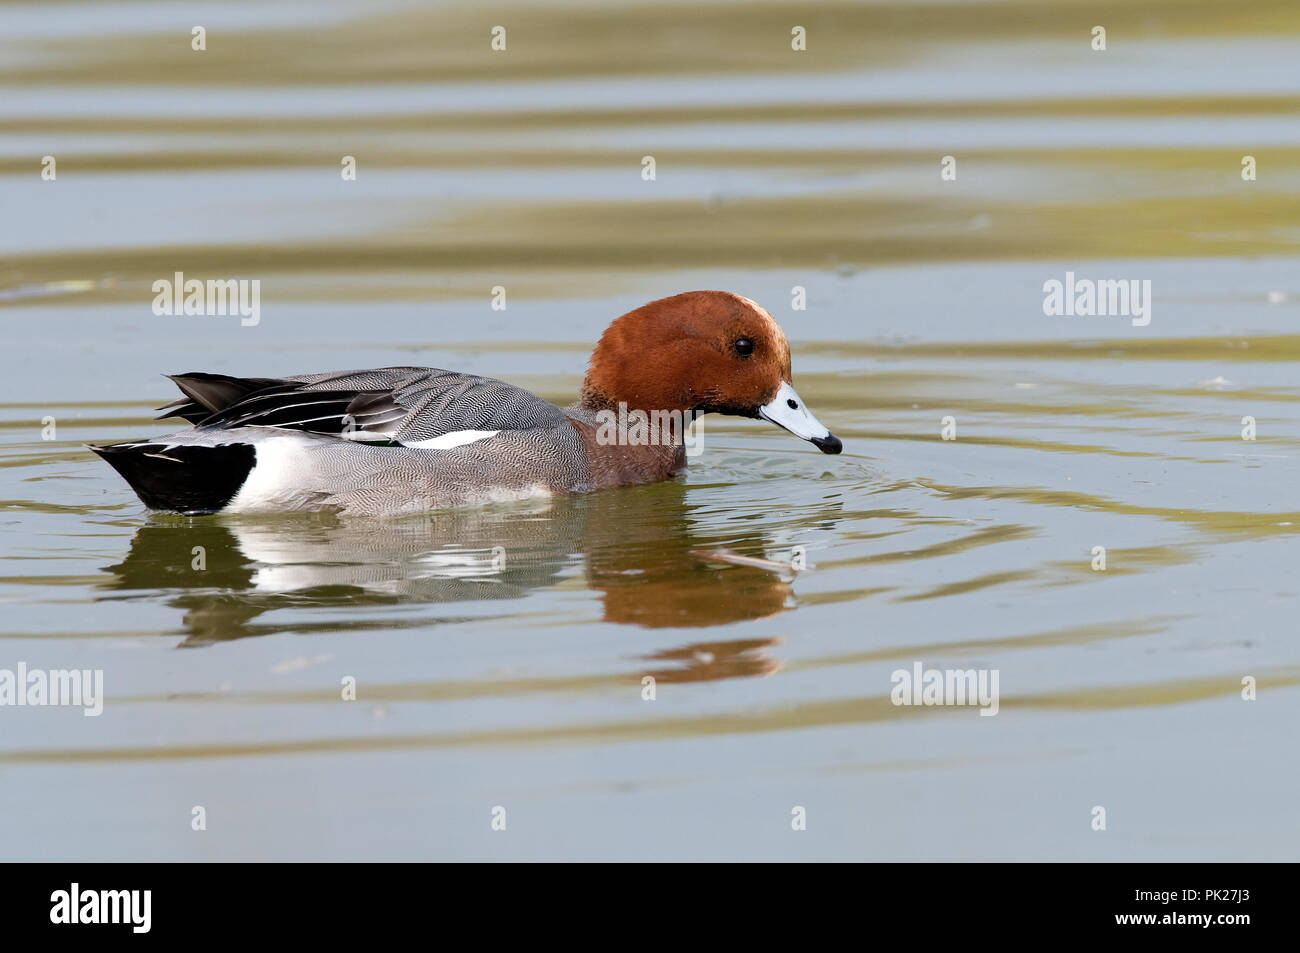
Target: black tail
{"type": "Point", "coordinates": [182, 479]}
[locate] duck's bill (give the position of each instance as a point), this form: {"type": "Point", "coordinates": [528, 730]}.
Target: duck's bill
{"type": "Point", "coordinates": [787, 410]}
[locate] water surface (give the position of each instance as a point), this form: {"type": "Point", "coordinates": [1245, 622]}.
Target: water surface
{"type": "Point", "coordinates": [521, 687]}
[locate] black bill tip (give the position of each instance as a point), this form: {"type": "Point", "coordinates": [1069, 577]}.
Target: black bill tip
{"type": "Point", "coordinates": [828, 444]}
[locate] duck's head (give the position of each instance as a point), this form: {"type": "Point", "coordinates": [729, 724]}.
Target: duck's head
{"type": "Point", "coordinates": [703, 351]}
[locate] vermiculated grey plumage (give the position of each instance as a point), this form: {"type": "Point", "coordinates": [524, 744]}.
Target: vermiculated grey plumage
{"type": "Point", "coordinates": [295, 424]}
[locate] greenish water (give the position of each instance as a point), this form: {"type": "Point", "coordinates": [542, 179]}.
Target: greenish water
{"type": "Point", "coordinates": [522, 688]}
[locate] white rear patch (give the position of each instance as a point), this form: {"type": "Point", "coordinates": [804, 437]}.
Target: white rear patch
{"type": "Point", "coordinates": [277, 478]}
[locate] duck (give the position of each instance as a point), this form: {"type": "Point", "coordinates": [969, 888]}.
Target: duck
{"type": "Point", "coordinates": [392, 441]}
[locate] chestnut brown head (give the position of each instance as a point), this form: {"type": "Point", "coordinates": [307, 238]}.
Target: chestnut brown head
{"type": "Point", "coordinates": [704, 351]}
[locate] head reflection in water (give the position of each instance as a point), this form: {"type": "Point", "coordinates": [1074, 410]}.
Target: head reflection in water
{"type": "Point", "coordinates": [633, 548]}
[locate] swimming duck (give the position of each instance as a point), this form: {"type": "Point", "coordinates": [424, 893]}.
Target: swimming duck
{"type": "Point", "coordinates": [397, 440]}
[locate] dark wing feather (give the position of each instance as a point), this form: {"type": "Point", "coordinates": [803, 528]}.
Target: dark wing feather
{"type": "Point", "coordinates": [398, 404]}
{"type": "Point", "coordinates": [205, 394]}
{"type": "Point", "coordinates": [288, 406]}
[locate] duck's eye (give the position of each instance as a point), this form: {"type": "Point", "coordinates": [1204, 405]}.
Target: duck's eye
{"type": "Point", "coordinates": [744, 347]}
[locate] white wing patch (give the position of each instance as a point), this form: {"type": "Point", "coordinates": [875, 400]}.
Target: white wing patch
{"type": "Point", "coordinates": [457, 438]}
{"type": "Point", "coordinates": [365, 436]}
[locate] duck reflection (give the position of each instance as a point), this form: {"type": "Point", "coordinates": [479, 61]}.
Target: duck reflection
{"type": "Point", "coordinates": [632, 547]}
{"type": "Point", "coordinates": [710, 661]}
